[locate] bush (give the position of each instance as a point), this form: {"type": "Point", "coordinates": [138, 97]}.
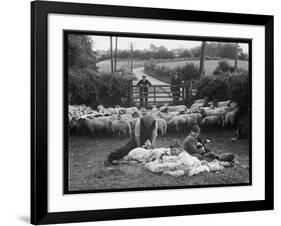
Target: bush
{"type": "Point", "coordinates": [89, 88]}
{"type": "Point", "coordinates": [226, 86]}
{"type": "Point", "coordinates": [163, 73]}
{"type": "Point", "coordinates": [188, 71]}
{"type": "Point", "coordinates": [113, 89]}
{"type": "Point", "coordinates": [223, 66]}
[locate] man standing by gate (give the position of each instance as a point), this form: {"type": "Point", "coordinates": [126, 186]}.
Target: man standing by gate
{"type": "Point", "coordinates": [175, 87]}
{"type": "Point", "coordinates": [143, 84]}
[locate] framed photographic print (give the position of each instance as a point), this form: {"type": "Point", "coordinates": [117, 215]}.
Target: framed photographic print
{"type": "Point", "coordinates": [144, 112]}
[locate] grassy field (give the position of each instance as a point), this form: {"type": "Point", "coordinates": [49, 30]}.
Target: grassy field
{"type": "Point", "coordinates": [105, 65]}
{"type": "Point", "coordinates": [86, 156]}
{"type": "Point", "coordinates": [210, 65]}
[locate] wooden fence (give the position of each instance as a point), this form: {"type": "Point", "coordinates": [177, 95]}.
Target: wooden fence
{"type": "Point", "coordinates": [158, 95]}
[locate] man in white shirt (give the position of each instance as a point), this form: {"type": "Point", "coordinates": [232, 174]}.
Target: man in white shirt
{"type": "Point", "coordinates": [145, 129]}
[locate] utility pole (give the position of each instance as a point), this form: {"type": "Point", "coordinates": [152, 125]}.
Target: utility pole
{"type": "Point", "coordinates": [202, 59]}
{"type": "Point", "coordinates": [111, 54]}
{"type": "Point", "coordinates": [131, 57]}
{"type": "Point", "coordinates": [236, 57]}
{"type": "Point", "coordinates": [115, 57]}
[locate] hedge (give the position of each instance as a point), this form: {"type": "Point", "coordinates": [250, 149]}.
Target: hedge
{"type": "Point", "coordinates": [226, 86]}
{"type": "Point", "coordinates": [91, 88]}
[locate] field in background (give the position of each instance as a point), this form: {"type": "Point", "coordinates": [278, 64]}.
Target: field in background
{"type": "Point", "coordinates": [86, 170]}
{"type": "Point", "coordinates": [210, 65]}
{"type": "Point", "coordinates": [105, 65]}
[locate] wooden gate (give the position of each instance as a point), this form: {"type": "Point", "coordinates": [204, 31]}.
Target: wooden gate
{"type": "Point", "coordinates": [158, 95]}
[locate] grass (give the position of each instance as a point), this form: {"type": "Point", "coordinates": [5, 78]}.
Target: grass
{"type": "Point", "coordinates": [210, 65]}
{"type": "Point", "coordinates": [105, 65]}
{"type": "Point", "coordinates": [86, 170]}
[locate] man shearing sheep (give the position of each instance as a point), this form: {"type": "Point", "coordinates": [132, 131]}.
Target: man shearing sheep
{"type": "Point", "coordinates": [145, 129]}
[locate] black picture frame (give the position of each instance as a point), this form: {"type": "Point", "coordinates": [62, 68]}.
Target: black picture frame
{"type": "Point", "coordinates": [39, 112]}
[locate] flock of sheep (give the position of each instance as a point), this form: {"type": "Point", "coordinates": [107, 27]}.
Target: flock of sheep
{"type": "Point", "coordinates": [120, 121]}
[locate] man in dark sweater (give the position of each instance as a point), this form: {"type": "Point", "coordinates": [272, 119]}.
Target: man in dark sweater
{"type": "Point", "coordinates": [145, 129]}
{"type": "Point", "coordinates": [143, 84]}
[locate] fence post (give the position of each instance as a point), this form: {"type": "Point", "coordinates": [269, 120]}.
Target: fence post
{"type": "Point", "coordinates": [154, 95]}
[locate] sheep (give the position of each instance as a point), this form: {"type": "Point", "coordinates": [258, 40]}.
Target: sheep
{"type": "Point", "coordinates": [219, 111]}
{"type": "Point", "coordinates": [197, 117]}
{"type": "Point", "coordinates": [97, 124]}
{"type": "Point", "coordinates": [178, 122]}
{"type": "Point", "coordinates": [196, 105]}
{"type": "Point", "coordinates": [162, 126]}
{"type": "Point", "coordinates": [212, 120]}
{"type": "Point", "coordinates": [223, 103]}
{"type": "Point", "coordinates": [177, 108]}
{"type": "Point", "coordinates": [121, 127]}
{"type": "Point", "coordinates": [191, 120]}
{"type": "Point", "coordinates": [126, 117]}
{"type": "Point", "coordinates": [199, 101]}
{"type": "Point", "coordinates": [131, 110]}
{"type": "Point", "coordinates": [133, 123]}
{"type": "Point", "coordinates": [230, 118]}
{"type": "Point", "coordinates": [165, 116]}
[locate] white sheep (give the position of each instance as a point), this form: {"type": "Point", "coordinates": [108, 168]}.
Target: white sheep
{"type": "Point", "coordinates": [121, 127]}
{"type": "Point", "coordinates": [98, 124]}
{"type": "Point", "coordinates": [212, 120]}
{"type": "Point", "coordinates": [178, 122]}
{"type": "Point", "coordinates": [230, 117]}
{"type": "Point", "coordinates": [162, 126]}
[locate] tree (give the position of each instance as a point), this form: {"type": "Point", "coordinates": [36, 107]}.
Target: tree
{"type": "Point", "coordinates": [82, 70]}
{"type": "Point", "coordinates": [80, 53]}
{"type": "Point", "coordinates": [236, 58]}
{"type": "Point", "coordinates": [202, 59]}
{"type": "Point", "coordinates": [185, 53]}
{"type": "Point", "coordinates": [115, 55]}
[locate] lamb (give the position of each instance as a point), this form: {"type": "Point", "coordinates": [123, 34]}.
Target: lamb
{"type": "Point", "coordinates": [97, 124]}
{"type": "Point", "coordinates": [212, 120]}
{"type": "Point", "coordinates": [121, 127]}
{"type": "Point", "coordinates": [162, 126]}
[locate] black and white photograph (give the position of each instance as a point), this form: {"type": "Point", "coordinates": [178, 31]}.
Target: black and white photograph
{"type": "Point", "coordinates": [155, 112]}
{"type": "Point", "coordinates": [148, 112]}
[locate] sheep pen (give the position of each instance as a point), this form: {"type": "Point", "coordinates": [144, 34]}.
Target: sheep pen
{"type": "Point", "coordinates": [86, 170]}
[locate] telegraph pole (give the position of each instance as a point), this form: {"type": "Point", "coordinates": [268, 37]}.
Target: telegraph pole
{"type": "Point", "coordinates": [111, 54]}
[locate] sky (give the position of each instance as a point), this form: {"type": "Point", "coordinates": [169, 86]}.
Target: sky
{"type": "Point", "coordinates": [102, 43]}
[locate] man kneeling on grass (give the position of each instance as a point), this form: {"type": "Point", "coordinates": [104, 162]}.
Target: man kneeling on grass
{"type": "Point", "coordinates": [190, 146]}
{"type": "Point", "coordinates": [145, 129]}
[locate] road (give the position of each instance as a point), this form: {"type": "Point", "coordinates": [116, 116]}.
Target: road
{"type": "Point", "coordinates": [164, 97]}
{"type": "Point", "coordinates": [139, 73]}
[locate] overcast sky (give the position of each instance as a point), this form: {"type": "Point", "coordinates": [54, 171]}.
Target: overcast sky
{"type": "Point", "coordinates": [102, 43]}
